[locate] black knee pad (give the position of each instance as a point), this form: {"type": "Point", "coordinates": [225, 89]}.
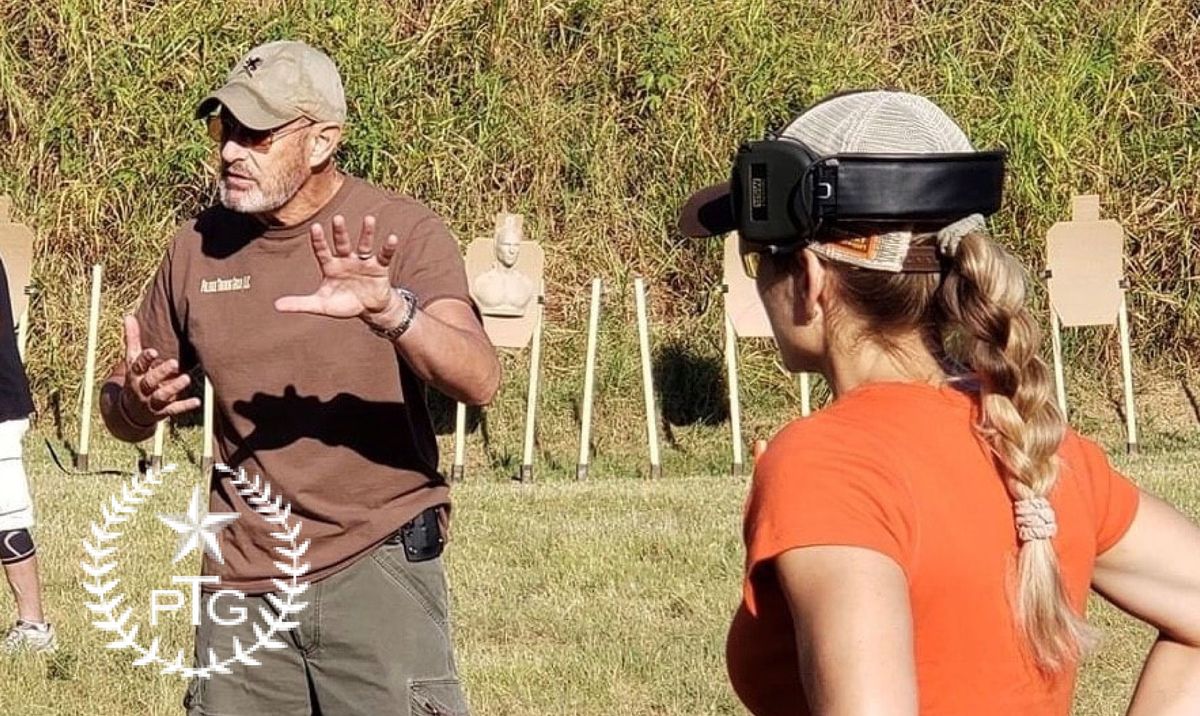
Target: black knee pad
{"type": "Point", "coordinates": [15, 546]}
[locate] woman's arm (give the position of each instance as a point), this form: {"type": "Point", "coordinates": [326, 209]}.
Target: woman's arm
{"type": "Point", "coordinates": [853, 626]}
{"type": "Point", "coordinates": [1153, 573]}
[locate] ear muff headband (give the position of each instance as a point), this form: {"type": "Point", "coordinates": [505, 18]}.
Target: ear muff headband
{"type": "Point", "coordinates": [782, 193]}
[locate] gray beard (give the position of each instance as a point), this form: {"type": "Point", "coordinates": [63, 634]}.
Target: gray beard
{"type": "Point", "coordinates": [266, 196]}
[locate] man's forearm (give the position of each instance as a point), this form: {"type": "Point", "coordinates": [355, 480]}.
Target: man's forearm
{"type": "Point", "coordinates": [115, 416]}
{"type": "Point", "coordinates": [1170, 681]}
{"type": "Point", "coordinates": [459, 363]}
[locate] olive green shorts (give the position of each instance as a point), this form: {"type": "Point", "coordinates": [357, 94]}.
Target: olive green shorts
{"type": "Point", "coordinates": [374, 639]}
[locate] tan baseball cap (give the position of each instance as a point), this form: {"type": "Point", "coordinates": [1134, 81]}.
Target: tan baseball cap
{"type": "Point", "coordinates": [277, 83]}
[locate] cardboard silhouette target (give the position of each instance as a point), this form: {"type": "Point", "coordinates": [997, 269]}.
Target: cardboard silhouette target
{"type": "Point", "coordinates": [1086, 284]}
{"type": "Point", "coordinates": [505, 276]}
{"type": "Point", "coordinates": [745, 317]}
{"type": "Point", "coordinates": [16, 248]}
{"type": "Point", "coordinates": [742, 304]}
{"type": "Point", "coordinates": [1084, 257]}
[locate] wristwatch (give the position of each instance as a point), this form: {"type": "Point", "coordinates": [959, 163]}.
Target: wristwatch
{"type": "Point", "coordinates": [410, 312]}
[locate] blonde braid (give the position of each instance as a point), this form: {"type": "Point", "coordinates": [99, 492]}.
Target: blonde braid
{"type": "Point", "coordinates": [983, 297]}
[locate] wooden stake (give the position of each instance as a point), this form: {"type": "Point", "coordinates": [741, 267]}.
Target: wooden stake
{"type": "Point", "coordinates": [206, 450]}
{"type": "Point", "coordinates": [589, 381]}
{"type": "Point", "coordinates": [639, 297]}
{"type": "Point", "coordinates": [1060, 387]}
{"type": "Point", "coordinates": [1131, 441]}
{"type": "Point", "coordinates": [535, 361]}
{"type": "Point", "coordinates": [460, 439]}
{"type": "Point", "coordinates": [89, 370]}
{"type": "Point", "coordinates": [805, 395]}
{"type": "Point", "coordinates": [156, 452]}
{"type": "Point", "coordinates": [735, 408]}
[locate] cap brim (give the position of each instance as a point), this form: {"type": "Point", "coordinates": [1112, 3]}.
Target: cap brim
{"type": "Point", "coordinates": [708, 212]}
{"type": "Point", "coordinates": [246, 106]}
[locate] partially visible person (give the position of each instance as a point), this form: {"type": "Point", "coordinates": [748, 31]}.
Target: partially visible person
{"type": "Point", "coordinates": [321, 308]}
{"type": "Point", "coordinates": [18, 554]}
{"type": "Point", "coordinates": [926, 543]}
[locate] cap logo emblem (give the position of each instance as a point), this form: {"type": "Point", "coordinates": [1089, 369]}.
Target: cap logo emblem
{"type": "Point", "coordinates": [252, 64]}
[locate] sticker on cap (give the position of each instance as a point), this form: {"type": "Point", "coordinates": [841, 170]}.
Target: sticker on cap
{"type": "Point", "coordinates": [882, 252]}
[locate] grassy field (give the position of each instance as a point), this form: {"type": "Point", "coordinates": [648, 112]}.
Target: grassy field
{"type": "Point", "coordinates": [605, 597]}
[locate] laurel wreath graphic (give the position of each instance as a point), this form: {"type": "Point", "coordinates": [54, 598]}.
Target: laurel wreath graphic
{"type": "Point", "coordinates": [102, 548]}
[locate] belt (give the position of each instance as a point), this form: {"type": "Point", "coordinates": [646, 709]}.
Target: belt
{"type": "Point", "coordinates": [421, 536]}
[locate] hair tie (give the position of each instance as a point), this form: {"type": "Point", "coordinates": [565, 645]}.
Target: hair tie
{"type": "Point", "coordinates": [1035, 519]}
{"type": "Point", "coordinates": [951, 236]}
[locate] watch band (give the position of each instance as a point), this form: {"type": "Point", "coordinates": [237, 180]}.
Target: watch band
{"type": "Point", "coordinates": [410, 300]}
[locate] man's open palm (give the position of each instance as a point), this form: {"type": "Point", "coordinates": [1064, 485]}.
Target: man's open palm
{"type": "Point", "coordinates": [354, 280]}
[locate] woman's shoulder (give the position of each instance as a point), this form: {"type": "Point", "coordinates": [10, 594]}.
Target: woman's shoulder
{"type": "Point", "coordinates": [1079, 453]}
{"type": "Point", "coordinates": [833, 424]}
{"type": "Point", "coordinates": [832, 439]}
{"type": "Point", "coordinates": [879, 414]}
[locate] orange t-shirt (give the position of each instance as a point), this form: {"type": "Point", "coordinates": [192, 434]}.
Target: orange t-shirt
{"type": "Point", "coordinates": [898, 468]}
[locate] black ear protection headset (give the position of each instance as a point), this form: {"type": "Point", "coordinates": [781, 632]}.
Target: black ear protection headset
{"type": "Point", "coordinates": [781, 193]}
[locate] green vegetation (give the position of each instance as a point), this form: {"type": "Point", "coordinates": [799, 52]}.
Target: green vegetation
{"type": "Point", "coordinates": [588, 599]}
{"type": "Point", "coordinates": [594, 119]}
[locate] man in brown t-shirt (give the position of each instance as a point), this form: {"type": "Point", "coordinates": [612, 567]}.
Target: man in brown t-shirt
{"type": "Point", "coordinates": [320, 307]}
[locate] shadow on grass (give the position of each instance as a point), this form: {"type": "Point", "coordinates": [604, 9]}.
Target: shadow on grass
{"type": "Point", "coordinates": [692, 388]}
{"type": "Point", "coordinates": [59, 434]}
{"type": "Point", "coordinates": [442, 412]}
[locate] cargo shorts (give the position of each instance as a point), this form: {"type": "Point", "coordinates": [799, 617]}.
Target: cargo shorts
{"type": "Point", "coordinates": [374, 639]}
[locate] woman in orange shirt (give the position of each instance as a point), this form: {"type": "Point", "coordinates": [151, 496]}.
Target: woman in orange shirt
{"type": "Point", "coordinates": [927, 542]}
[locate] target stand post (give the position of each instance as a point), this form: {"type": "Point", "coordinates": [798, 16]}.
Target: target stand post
{"type": "Point", "coordinates": [460, 439]}
{"type": "Point", "coordinates": [206, 450]}
{"type": "Point", "coordinates": [156, 452]}
{"type": "Point", "coordinates": [89, 370]}
{"type": "Point", "coordinates": [589, 383]}
{"type": "Point", "coordinates": [531, 398]}
{"type": "Point", "coordinates": [639, 296]}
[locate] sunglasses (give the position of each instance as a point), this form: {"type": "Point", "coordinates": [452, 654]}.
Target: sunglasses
{"type": "Point", "coordinates": [222, 128]}
{"type": "Point", "coordinates": [752, 255]}
{"type": "Point", "coordinates": [750, 263]}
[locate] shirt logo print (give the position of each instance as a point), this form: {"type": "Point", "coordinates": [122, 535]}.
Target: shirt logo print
{"type": "Point", "coordinates": [224, 285]}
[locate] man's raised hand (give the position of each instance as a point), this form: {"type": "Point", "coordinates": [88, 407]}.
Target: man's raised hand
{"type": "Point", "coordinates": [354, 277]}
{"type": "Point", "coordinates": [152, 385]}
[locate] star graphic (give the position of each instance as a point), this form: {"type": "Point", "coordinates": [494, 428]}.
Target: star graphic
{"type": "Point", "coordinates": [195, 531]}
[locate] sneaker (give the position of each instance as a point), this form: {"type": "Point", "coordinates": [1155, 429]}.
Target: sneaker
{"type": "Point", "coordinates": [28, 636]}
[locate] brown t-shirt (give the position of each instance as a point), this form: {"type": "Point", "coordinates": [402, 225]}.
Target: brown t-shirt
{"type": "Point", "coordinates": [322, 408]}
